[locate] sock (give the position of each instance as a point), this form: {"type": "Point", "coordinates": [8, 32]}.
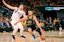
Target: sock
{"type": "Point", "coordinates": [13, 36]}
{"type": "Point", "coordinates": [20, 34]}
{"type": "Point", "coordinates": [33, 35]}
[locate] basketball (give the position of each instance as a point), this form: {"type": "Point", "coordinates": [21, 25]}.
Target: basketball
{"type": "Point", "coordinates": [43, 38]}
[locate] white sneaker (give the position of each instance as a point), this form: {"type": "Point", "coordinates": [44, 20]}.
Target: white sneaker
{"type": "Point", "coordinates": [13, 40]}
{"type": "Point", "coordinates": [35, 38]}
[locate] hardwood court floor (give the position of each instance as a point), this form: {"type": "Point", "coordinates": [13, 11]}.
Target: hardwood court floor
{"type": "Point", "coordinates": [50, 37]}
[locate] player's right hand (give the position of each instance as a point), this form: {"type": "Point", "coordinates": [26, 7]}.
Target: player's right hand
{"type": "Point", "coordinates": [3, 1]}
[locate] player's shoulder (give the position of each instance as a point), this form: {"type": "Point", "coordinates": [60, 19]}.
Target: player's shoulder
{"type": "Point", "coordinates": [23, 11]}
{"type": "Point", "coordinates": [34, 16]}
{"type": "Point", "coordinates": [16, 8]}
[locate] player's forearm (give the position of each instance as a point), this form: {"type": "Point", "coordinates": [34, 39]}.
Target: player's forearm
{"type": "Point", "coordinates": [38, 25]}
{"type": "Point", "coordinates": [8, 6]}
{"type": "Point", "coordinates": [22, 19]}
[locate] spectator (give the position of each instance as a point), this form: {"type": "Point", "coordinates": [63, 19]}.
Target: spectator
{"type": "Point", "coordinates": [50, 24]}
{"type": "Point", "coordinates": [60, 30]}
{"type": "Point", "coordinates": [42, 24]}
{"type": "Point", "coordinates": [58, 20]}
{"type": "Point", "coordinates": [46, 25]}
{"type": "Point", "coordinates": [0, 26]}
{"type": "Point", "coordinates": [54, 21]}
{"type": "Point", "coordinates": [8, 25]}
{"type": "Point", "coordinates": [56, 26]}
{"type": "Point", "coordinates": [3, 25]}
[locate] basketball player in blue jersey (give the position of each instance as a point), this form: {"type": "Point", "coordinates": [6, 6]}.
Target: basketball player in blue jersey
{"type": "Point", "coordinates": [18, 12]}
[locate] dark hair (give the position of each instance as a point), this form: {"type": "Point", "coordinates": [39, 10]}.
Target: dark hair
{"type": "Point", "coordinates": [29, 9]}
{"type": "Point", "coordinates": [20, 4]}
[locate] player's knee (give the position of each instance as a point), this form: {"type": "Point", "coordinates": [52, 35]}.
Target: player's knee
{"type": "Point", "coordinates": [22, 29]}
{"type": "Point", "coordinates": [15, 30]}
{"type": "Point", "coordinates": [29, 30]}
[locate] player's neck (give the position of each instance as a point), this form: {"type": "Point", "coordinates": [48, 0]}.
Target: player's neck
{"type": "Point", "coordinates": [20, 9]}
{"type": "Point", "coordinates": [30, 16]}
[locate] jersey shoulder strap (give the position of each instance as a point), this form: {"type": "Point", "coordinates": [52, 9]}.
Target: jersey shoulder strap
{"type": "Point", "coordinates": [16, 10]}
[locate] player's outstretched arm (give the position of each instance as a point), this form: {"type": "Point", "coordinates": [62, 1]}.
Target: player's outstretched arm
{"type": "Point", "coordinates": [36, 21]}
{"type": "Point", "coordinates": [9, 6]}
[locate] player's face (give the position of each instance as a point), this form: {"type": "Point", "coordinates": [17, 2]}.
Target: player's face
{"type": "Point", "coordinates": [30, 12]}
{"type": "Point", "coordinates": [21, 7]}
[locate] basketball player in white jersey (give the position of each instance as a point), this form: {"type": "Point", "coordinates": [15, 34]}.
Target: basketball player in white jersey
{"type": "Point", "coordinates": [18, 12]}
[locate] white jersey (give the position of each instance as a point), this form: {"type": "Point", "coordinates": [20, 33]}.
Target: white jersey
{"type": "Point", "coordinates": [16, 15]}
{"type": "Point", "coordinates": [15, 18]}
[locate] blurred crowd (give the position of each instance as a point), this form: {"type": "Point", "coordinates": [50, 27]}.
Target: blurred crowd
{"type": "Point", "coordinates": [35, 3]}
{"type": "Point", "coordinates": [47, 24]}
{"type": "Point", "coordinates": [5, 24]}
{"type": "Point", "coordinates": [51, 24]}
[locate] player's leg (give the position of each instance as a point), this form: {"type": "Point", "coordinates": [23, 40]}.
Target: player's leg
{"type": "Point", "coordinates": [21, 29]}
{"type": "Point", "coordinates": [15, 29]}
{"type": "Point", "coordinates": [41, 36]}
{"type": "Point", "coordinates": [31, 32]}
